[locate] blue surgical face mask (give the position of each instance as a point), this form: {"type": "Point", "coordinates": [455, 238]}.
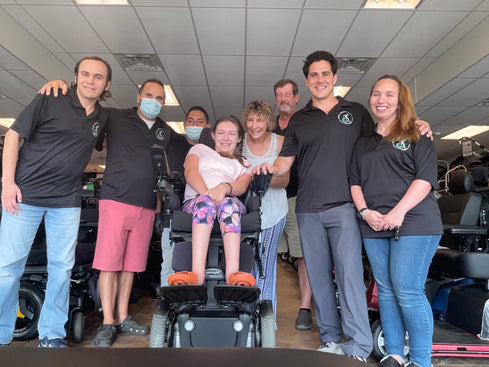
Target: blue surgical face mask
{"type": "Point", "coordinates": [193, 132]}
{"type": "Point", "coordinates": [150, 107]}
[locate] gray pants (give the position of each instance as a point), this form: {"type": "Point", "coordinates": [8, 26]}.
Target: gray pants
{"type": "Point", "coordinates": [333, 237]}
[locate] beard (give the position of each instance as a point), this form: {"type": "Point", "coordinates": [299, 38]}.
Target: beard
{"type": "Point", "coordinates": [284, 107]}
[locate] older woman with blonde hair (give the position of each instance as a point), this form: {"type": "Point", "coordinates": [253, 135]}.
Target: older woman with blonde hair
{"type": "Point", "coordinates": [261, 145]}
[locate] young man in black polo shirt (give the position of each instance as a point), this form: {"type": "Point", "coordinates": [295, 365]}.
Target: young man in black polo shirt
{"type": "Point", "coordinates": [322, 136]}
{"type": "Point", "coordinates": [43, 180]}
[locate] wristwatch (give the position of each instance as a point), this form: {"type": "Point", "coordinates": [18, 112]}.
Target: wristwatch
{"type": "Point", "coordinates": [362, 212]}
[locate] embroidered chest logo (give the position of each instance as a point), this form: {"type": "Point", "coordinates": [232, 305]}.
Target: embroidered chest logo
{"type": "Point", "coordinates": [402, 145]}
{"type": "Point", "coordinates": [160, 134]}
{"type": "Point", "coordinates": [95, 128]}
{"type": "Point", "coordinates": [345, 117]}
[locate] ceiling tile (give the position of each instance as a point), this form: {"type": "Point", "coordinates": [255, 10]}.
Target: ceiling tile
{"type": "Point", "coordinates": [192, 95]}
{"type": "Point", "coordinates": [172, 113]}
{"type": "Point", "coordinates": [224, 70]}
{"type": "Point", "coordinates": [170, 29]}
{"type": "Point", "coordinates": [271, 31]}
{"type": "Point", "coordinates": [227, 96]}
{"type": "Point", "coordinates": [118, 27]}
{"type": "Point", "coordinates": [260, 93]}
{"type": "Point", "coordinates": [321, 30]}
{"type": "Point", "coordinates": [280, 4]}
{"type": "Point", "coordinates": [14, 87]}
{"type": "Point", "coordinates": [183, 69]}
{"type": "Point", "coordinates": [334, 4]}
{"type": "Point", "coordinates": [445, 91]}
{"type": "Point", "coordinates": [448, 5]}
{"type": "Point", "coordinates": [139, 77]}
{"type": "Point", "coordinates": [67, 18]}
{"type": "Point", "coordinates": [220, 31]}
{"type": "Point", "coordinates": [382, 66]}
{"type": "Point", "coordinates": [470, 95]}
{"type": "Point", "coordinates": [264, 71]}
{"type": "Point", "coordinates": [422, 32]}
{"type": "Point", "coordinates": [371, 32]}
{"type": "Point", "coordinates": [30, 77]}
{"type": "Point", "coordinates": [478, 70]}
{"type": "Point", "coordinates": [439, 114]}
{"type": "Point", "coordinates": [226, 111]}
{"type": "Point", "coordinates": [218, 3]}
{"type": "Point", "coordinates": [10, 62]}
{"type": "Point", "coordinates": [456, 33]}
{"type": "Point", "coordinates": [34, 28]}
{"type": "Point", "coordinates": [124, 95]}
{"type": "Point", "coordinates": [156, 2]}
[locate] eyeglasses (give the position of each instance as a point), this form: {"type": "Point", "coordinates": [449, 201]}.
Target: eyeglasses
{"type": "Point", "coordinates": [284, 95]}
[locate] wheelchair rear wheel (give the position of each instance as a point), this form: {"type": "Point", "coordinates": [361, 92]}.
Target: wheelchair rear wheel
{"type": "Point", "coordinates": [31, 299]}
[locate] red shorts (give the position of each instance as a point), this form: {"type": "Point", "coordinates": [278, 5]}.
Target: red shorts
{"type": "Point", "coordinates": [124, 235]}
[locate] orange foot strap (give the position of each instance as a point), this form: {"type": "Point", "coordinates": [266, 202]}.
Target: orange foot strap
{"type": "Point", "coordinates": [242, 278]}
{"type": "Point", "coordinates": [183, 278]}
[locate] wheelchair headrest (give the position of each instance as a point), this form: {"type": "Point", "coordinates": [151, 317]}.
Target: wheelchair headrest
{"type": "Point", "coordinates": [261, 183]}
{"type": "Point", "coordinates": [158, 156]}
{"type": "Point", "coordinates": [461, 183]}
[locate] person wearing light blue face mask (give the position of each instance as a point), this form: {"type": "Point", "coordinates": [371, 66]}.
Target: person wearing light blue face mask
{"type": "Point", "coordinates": [150, 107]}
{"type": "Point", "coordinates": [196, 120]}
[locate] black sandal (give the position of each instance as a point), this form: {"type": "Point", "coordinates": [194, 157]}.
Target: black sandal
{"type": "Point", "coordinates": [132, 327]}
{"type": "Point", "coordinates": [105, 336]}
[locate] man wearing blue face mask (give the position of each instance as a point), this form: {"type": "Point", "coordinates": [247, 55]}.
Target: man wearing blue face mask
{"type": "Point", "coordinates": [196, 120]}
{"type": "Point", "coordinates": [127, 207]}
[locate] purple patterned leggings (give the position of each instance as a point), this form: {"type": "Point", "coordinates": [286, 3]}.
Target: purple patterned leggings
{"type": "Point", "coordinates": [204, 211]}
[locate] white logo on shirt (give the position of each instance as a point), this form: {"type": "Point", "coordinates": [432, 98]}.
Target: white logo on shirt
{"type": "Point", "coordinates": [345, 117]}
{"type": "Point", "coordinates": [160, 134]}
{"type": "Point", "coordinates": [95, 128]}
{"type": "Point", "coordinates": [402, 145]}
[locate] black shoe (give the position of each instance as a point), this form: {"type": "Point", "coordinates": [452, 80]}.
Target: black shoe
{"type": "Point", "coordinates": [304, 319]}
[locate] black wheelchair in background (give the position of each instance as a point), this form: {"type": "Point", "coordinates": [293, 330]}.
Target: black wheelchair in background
{"type": "Point", "coordinates": [213, 314]}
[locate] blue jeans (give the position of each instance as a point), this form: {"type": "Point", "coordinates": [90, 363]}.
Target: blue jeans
{"type": "Point", "coordinates": [17, 233]}
{"type": "Point", "coordinates": [400, 269]}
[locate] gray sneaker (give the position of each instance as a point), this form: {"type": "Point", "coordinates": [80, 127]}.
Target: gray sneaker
{"type": "Point", "coordinates": [304, 320]}
{"type": "Point", "coordinates": [357, 358]}
{"type": "Point", "coordinates": [331, 347]}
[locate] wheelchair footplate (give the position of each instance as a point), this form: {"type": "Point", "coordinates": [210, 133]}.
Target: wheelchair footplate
{"type": "Point", "coordinates": [188, 294]}
{"type": "Point", "coordinates": [227, 294]}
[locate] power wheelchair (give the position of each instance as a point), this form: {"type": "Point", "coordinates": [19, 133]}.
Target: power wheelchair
{"type": "Point", "coordinates": [213, 314]}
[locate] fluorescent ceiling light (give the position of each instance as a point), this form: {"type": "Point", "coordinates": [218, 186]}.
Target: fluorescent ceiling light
{"type": "Point", "coordinates": [177, 126]}
{"type": "Point", "coordinates": [6, 122]}
{"type": "Point", "coordinates": [170, 99]}
{"type": "Point", "coordinates": [392, 4]}
{"type": "Point", "coordinates": [340, 91]}
{"type": "Point", "coordinates": [467, 132]}
{"type": "Point", "coordinates": [102, 2]}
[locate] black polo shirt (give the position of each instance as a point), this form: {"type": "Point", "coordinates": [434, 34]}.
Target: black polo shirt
{"type": "Point", "coordinates": [58, 141]}
{"type": "Point", "coordinates": [386, 170]}
{"type": "Point", "coordinates": [323, 145]}
{"type": "Point", "coordinates": [129, 176]}
{"type": "Point", "coordinates": [294, 177]}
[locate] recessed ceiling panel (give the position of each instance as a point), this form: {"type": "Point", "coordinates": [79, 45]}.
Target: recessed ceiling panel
{"type": "Point", "coordinates": [271, 31]}
{"type": "Point", "coordinates": [422, 32]}
{"type": "Point", "coordinates": [371, 32]}
{"type": "Point", "coordinates": [224, 70]}
{"type": "Point", "coordinates": [227, 96]}
{"type": "Point", "coordinates": [264, 71]}
{"type": "Point", "coordinates": [170, 29]}
{"type": "Point", "coordinates": [322, 30]}
{"type": "Point", "coordinates": [220, 31]}
{"type": "Point", "coordinates": [118, 27]}
{"type": "Point", "coordinates": [184, 69]}
{"type": "Point", "coordinates": [68, 28]}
